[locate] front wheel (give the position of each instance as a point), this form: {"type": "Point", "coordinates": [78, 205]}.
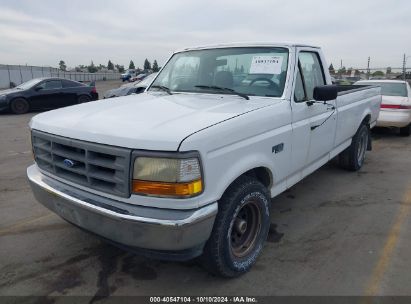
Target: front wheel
{"type": "Point", "coordinates": [240, 229]}
{"type": "Point", "coordinates": [19, 106]}
{"type": "Point", "coordinates": [405, 131]}
{"type": "Point", "coordinates": [353, 157]}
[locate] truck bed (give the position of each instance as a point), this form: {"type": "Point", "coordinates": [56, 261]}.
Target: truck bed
{"type": "Point", "coordinates": [346, 89]}
{"type": "Point", "coordinates": [352, 102]}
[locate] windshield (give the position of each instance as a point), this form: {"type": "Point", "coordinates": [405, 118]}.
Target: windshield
{"type": "Point", "coordinates": [257, 71]}
{"type": "Point", "coordinates": [28, 84]}
{"type": "Point", "coordinates": [390, 88]}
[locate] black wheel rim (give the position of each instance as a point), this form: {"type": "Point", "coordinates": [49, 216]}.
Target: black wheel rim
{"type": "Point", "coordinates": [19, 106]}
{"type": "Point", "coordinates": [245, 228]}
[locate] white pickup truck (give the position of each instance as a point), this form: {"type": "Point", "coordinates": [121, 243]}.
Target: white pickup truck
{"type": "Point", "coordinates": [188, 168]}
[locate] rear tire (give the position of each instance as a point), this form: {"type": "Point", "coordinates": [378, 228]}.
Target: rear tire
{"type": "Point", "coordinates": [83, 99]}
{"type": "Point", "coordinates": [19, 106]}
{"type": "Point", "coordinates": [353, 157]}
{"type": "Point", "coordinates": [405, 131]}
{"type": "Point", "coordinates": [240, 229]}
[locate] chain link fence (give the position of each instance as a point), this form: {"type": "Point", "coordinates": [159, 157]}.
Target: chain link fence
{"type": "Point", "coordinates": [17, 74]}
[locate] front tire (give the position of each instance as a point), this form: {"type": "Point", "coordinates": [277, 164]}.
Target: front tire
{"type": "Point", "coordinates": [240, 229]}
{"type": "Point", "coordinates": [405, 131]}
{"type": "Point", "coordinates": [19, 106]}
{"type": "Point", "coordinates": [353, 157]}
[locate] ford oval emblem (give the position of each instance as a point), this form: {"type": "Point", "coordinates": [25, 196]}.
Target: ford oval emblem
{"type": "Point", "coordinates": [69, 163]}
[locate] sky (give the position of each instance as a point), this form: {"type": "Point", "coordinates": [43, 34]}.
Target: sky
{"type": "Point", "coordinates": [43, 32]}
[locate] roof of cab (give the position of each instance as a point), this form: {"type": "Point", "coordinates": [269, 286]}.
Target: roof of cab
{"type": "Point", "coordinates": [247, 44]}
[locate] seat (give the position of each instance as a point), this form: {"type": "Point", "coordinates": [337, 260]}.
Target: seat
{"type": "Point", "coordinates": [224, 79]}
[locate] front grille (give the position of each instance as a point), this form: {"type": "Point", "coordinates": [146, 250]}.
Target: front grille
{"type": "Point", "coordinates": [97, 166]}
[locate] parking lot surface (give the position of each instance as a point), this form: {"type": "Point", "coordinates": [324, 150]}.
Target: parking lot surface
{"type": "Point", "coordinates": [334, 233]}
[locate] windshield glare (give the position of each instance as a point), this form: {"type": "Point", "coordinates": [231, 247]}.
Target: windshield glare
{"type": "Point", "coordinates": [28, 84]}
{"type": "Point", "coordinates": [258, 71]}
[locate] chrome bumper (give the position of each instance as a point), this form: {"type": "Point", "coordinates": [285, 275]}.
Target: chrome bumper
{"type": "Point", "coordinates": [125, 224]}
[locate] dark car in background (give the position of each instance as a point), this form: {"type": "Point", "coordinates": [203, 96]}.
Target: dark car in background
{"type": "Point", "coordinates": [46, 93]}
{"type": "Point", "coordinates": [131, 88]}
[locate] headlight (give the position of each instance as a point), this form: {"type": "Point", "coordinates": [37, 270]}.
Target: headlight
{"type": "Point", "coordinates": [2, 97]}
{"type": "Point", "coordinates": [167, 177]}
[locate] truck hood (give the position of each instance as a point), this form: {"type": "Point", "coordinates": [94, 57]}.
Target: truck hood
{"type": "Point", "coordinates": [152, 121]}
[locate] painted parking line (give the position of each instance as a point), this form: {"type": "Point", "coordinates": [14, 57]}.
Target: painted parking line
{"type": "Point", "coordinates": [26, 222]}
{"type": "Point", "coordinates": [389, 247]}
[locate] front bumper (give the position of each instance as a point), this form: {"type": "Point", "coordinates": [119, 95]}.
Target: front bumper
{"type": "Point", "coordinates": [163, 233]}
{"type": "Point", "coordinates": [394, 118]}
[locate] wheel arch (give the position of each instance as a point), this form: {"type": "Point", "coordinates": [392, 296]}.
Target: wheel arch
{"type": "Point", "coordinates": [88, 95]}
{"type": "Point", "coordinates": [262, 173]}
{"type": "Point", "coordinates": [367, 121]}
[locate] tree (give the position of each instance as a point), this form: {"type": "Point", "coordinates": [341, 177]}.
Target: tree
{"type": "Point", "coordinates": [378, 74]}
{"type": "Point", "coordinates": [120, 68]}
{"type": "Point", "coordinates": [331, 69]}
{"type": "Point", "coordinates": [342, 70]}
{"type": "Point", "coordinates": [155, 66]}
{"type": "Point", "coordinates": [62, 65]}
{"type": "Point", "coordinates": [92, 68]}
{"type": "Point", "coordinates": [131, 66]}
{"type": "Point", "coordinates": [110, 65]}
{"type": "Point", "coordinates": [147, 65]}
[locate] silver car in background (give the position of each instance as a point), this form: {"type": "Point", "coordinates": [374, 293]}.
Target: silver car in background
{"type": "Point", "coordinates": [131, 88]}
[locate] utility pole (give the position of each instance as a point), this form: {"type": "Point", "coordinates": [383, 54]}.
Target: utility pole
{"type": "Point", "coordinates": [368, 68]}
{"type": "Point", "coordinates": [403, 68]}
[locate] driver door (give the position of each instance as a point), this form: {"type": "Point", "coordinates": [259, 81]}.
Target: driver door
{"type": "Point", "coordinates": [48, 95]}
{"type": "Point", "coordinates": [313, 125]}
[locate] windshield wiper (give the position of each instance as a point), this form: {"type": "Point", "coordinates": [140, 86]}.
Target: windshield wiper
{"type": "Point", "coordinates": [223, 89]}
{"type": "Point", "coordinates": [163, 88]}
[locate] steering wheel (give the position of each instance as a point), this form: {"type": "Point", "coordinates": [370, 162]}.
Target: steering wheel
{"type": "Point", "coordinates": [272, 83]}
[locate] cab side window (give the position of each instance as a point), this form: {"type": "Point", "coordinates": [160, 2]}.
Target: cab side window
{"type": "Point", "coordinates": [312, 72]}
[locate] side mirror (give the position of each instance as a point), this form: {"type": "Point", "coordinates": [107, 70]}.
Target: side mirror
{"type": "Point", "coordinates": [38, 89]}
{"type": "Point", "coordinates": [325, 92]}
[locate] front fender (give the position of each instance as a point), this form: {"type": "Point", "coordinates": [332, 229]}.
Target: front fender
{"type": "Point", "coordinates": [243, 165]}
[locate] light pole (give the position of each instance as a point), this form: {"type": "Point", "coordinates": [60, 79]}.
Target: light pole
{"type": "Point", "coordinates": [404, 64]}
{"type": "Point", "coordinates": [368, 68]}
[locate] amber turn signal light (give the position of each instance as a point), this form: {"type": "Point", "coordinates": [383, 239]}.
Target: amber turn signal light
{"type": "Point", "coordinates": [167, 189]}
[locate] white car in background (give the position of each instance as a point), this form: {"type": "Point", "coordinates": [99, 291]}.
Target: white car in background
{"type": "Point", "coordinates": [395, 105]}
